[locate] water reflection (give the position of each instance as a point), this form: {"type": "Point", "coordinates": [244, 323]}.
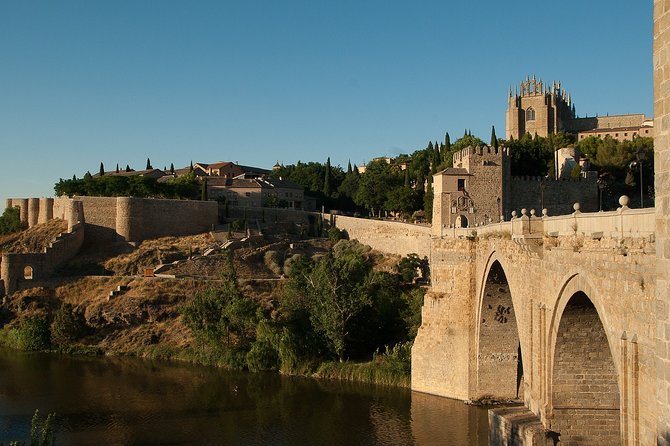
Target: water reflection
{"type": "Point", "coordinates": [130, 401]}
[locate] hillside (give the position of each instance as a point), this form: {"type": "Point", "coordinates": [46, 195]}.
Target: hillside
{"type": "Point", "coordinates": [145, 313]}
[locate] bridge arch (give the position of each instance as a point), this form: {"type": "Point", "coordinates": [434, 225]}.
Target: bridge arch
{"type": "Point", "coordinates": [583, 391]}
{"type": "Point", "coordinates": [498, 355]}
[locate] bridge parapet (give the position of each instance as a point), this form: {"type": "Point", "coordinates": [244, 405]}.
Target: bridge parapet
{"type": "Point", "coordinates": [622, 223]}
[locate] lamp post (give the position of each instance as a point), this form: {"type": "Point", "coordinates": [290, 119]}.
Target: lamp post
{"type": "Point", "coordinates": [641, 156]}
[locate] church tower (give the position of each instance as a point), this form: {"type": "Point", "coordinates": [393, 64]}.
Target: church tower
{"type": "Point", "coordinates": [535, 107]}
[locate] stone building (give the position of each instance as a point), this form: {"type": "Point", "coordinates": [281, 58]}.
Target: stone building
{"type": "Point", "coordinates": [256, 192]}
{"type": "Point", "coordinates": [479, 189]}
{"type": "Point", "coordinates": [537, 108]}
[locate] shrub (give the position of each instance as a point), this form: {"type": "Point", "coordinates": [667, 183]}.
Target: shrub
{"type": "Point", "coordinates": [67, 326]}
{"type": "Point", "coordinates": [335, 234]}
{"type": "Point", "coordinates": [272, 261]}
{"type": "Point", "coordinates": [33, 334]}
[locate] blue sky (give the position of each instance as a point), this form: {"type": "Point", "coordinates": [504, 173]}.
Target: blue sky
{"type": "Point", "coordinates": [84, 82]}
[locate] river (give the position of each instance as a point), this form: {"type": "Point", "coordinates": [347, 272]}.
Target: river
{"type": "Point", "coordinates": [129, 401]}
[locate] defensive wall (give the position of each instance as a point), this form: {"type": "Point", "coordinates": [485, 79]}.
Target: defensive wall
{"type": "Point", "coordinates": [391, 237]}
{"type": "Point", "coordinates": [22, 270]}
{"type": "Point", "coordinates": [137, 219]}
{"type": "Point", "coordinates": [284, 215]}
{"type": "Point", "coordinates": [386, 236]}
{"type": "Point", "coordinates": [558, 312]}
{"type": "Point", "coordinates": [557, 196]}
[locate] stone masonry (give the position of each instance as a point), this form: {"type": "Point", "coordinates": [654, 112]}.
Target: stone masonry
{"type": "Point", "coordinates": [661, 63]}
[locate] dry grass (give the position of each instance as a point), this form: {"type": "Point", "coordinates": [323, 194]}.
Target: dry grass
{"type": "Point", "coordinates": [34, 239]}
{"type": "Point", "coordinates": [154, 252]}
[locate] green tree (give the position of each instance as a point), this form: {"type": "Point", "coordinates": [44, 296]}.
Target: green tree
{"type": "Point", "coordinates": [149, 164]}
{"type": "Point", "coordinates": [10, 221]}
{"type": "Point", "coordinates": [68, 325]}
{"type": "Point", "coordinates": [223, 314]}
{"type": "Point", "coordinates": [327, 180]}
{"type": "Point", "coordinates": [446, 152]}
{"type": "Point", "coordinates": [339, 289]}
{"type": "Point", "coordinates": [375, 186]}
{"type": "Point", "coordinates": [428, 201]}
{"type": "Point", "coordinates": [102, 170]}
{"type": "Point", "coordinates": [494, 139]}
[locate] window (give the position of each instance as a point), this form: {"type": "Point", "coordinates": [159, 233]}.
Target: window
{"type": "Point", "coordinates": [625, 134]}
{"type": "Point", "coordinates": [28, 273]}
{"type": "Point", "coordinates": [530, 114]}
{"type": "Point", "coordinates": [247, 194]}
{"type": "Point", "coordinates": [461, 184]}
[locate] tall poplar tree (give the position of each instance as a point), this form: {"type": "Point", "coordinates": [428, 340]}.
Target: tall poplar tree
{"type": "Point", "coordinates": [102, 169]}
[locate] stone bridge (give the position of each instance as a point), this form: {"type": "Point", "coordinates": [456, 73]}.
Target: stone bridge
{"type": "Point", "coordinates": [556, 312]}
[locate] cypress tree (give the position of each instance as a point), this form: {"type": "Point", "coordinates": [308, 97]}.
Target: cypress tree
{"type": "Point", "coordinates": [102, 169]}
{"type": "Point", "coordinates": [494, 140]}
{"type": "Point", "coordinates": [149, 164]}
{"type": "Point", "coordinates": [127, 168]}
{"type": "Point", "coordinates": [447, 148]}
{"type": "Point", "coordinates": [74, 177]}
{"type": "Point", "coordinates": [327, 181]}
{"type": "Point", "coordinates": [349, 167]}
{"type": "Point", "coordinates": [87, 175]}
{"type": "Point", "coordinates": [466, 133]}
{"type": "Point", "coordinates": [172, 168]}
{"type": "Point", "coordinates": [191, 168]}
{"type": "Point", "coordinates": [117, 167]}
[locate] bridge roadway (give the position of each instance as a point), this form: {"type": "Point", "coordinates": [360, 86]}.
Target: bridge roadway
{"type": "Point", "coordinates": [557, 312]}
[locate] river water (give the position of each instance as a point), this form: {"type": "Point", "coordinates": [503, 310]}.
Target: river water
{"type": "Point", "coordinates": [128, 401]}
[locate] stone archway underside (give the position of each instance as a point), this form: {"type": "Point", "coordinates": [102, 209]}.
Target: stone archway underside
{"type": "Point", "coordinates": [499, 367]}
{"type": "Point", "coordinates": [585, 390]}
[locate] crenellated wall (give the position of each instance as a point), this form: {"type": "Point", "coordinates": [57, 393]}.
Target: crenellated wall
{"type": "Point", "coordinates": [21, 270]}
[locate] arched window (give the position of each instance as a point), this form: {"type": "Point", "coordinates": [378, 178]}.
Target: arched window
{"type": "Point", "coordinates": [28, 273]}
{"type": "Point", "coordinates": [530, 114]}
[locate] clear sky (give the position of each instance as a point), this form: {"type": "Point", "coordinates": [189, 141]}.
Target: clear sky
{"type": "Point", "coordinates": [84, 82]}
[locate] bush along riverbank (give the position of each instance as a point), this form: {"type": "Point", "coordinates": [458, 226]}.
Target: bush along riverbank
{"type": "Point", "coordinates": [339, 315]}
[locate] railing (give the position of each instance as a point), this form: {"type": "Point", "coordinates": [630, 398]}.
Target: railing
{"type": "Point", "coordinates": [624, 222]}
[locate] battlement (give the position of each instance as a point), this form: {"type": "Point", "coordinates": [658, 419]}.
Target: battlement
{"type": "Point", "coordinates": [470, 155]}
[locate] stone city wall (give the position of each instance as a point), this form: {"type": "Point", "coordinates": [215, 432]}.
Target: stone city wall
{"type": "Point", "coordinates": [19, 270]}
{"type": "Point", "coordinates": [270, 215]}
{"type": "Point", "coordinates": [137, 219]}
{"type": "Point", "coordinates": [558, 196]}
{"type": "Point", "coordinates": [386, 236]}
